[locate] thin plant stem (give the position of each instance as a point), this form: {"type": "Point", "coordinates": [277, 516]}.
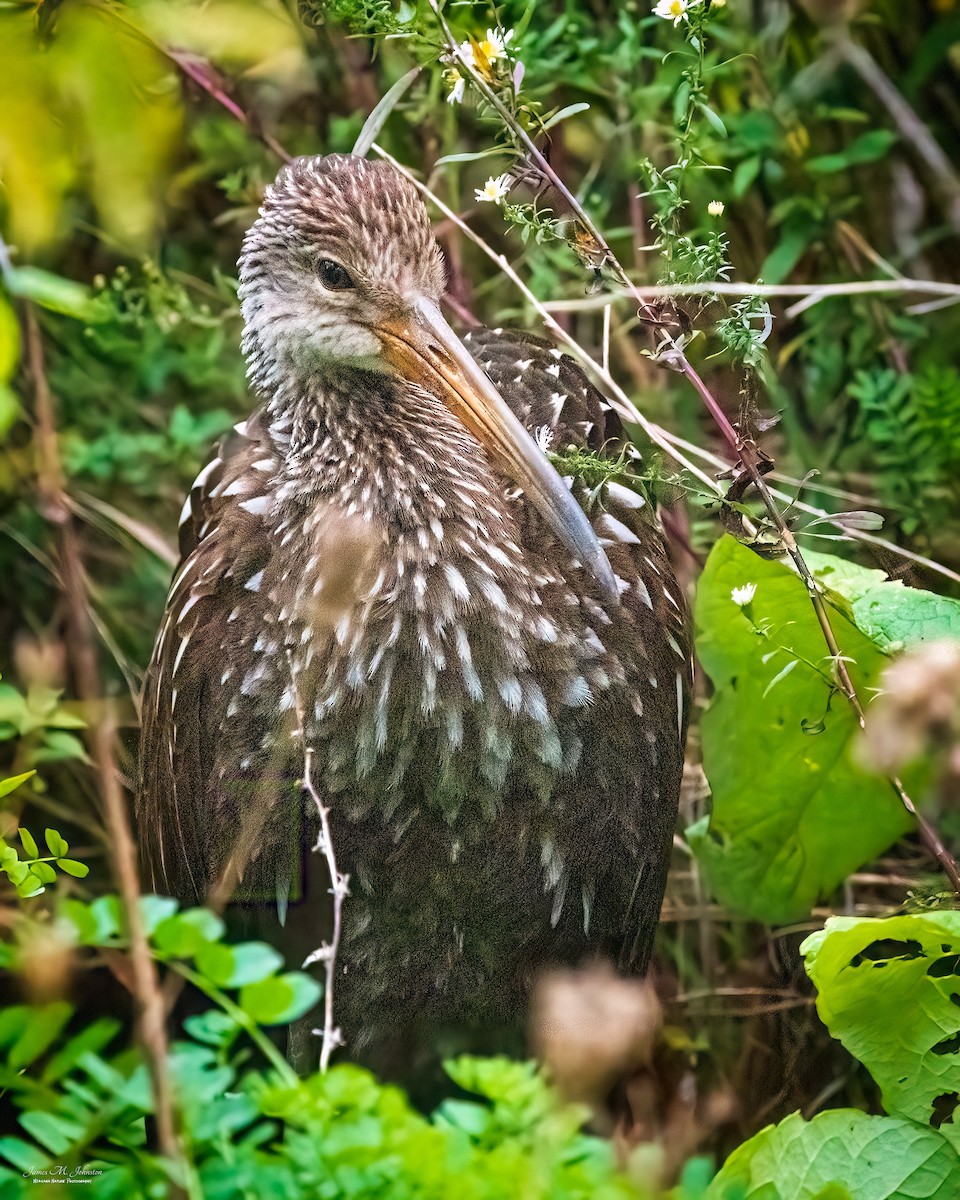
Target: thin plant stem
{"type": "Point", "coordinates": [241, 1017]}
{"type": "Point", "coordinates": [810, 294]}
{"type": "Point", "coordinates": [81, 648]}
{"type": "Point", "coordinates": [670, 353]}
{"type": "Point", "coordinates": [339, 890]}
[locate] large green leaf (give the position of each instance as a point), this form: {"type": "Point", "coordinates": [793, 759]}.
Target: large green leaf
{"type": "Point", "coordinates": [792, 813]}
{"type": "Point", "coordinates": [889, 990]}
{"type": "Point", "coordinates": [889, 614]}
{"type": "Point", "coordinates": [840, 1155]}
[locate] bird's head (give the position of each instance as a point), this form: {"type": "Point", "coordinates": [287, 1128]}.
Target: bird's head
{"type": "Point", "coordinates": [341, 246]}
{"type": "Point", "coordinates": [341, 269]}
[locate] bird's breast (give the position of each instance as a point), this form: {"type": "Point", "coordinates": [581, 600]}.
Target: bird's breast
{"type": "Point", "coordinates": [435, 658]}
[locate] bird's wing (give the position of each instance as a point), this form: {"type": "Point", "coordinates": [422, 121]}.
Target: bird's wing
{"type": "Point", "coordinates": [548, 389]}
{"type": "Point", "coordinates": [545, 388]}
{"type": "Point", "coordinates": [184, 704]}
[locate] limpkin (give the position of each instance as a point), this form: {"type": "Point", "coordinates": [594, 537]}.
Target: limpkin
{"type": "Point", "coordinates": [382, 565]}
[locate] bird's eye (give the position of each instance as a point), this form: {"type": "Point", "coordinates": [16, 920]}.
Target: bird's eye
{"type": "Point", "coordinates": [333, 276]}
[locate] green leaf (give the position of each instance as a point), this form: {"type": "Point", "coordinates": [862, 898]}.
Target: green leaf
{"type": "Point", "coordinates": [183, 934]}
{"type": "Point", "coordinates": [59, 746]}
{"type": "Point", "coordinates": [96, 924]}
{"type": "Point", "coordinates": [866, 148]}
{"type": "Point", "coordinates": [792, 813]}
{"type": "Point", "coordinates": [889, 990]}
{"type": "Point", "coordinates": [236, 966]}
{"type": "Point", "coordinates": [569, 111]}
{"type": "Point", "coordinates": [24, 1156]}
{"type": "Point", "coordinates": [8, 785]}
{"type": "Point", "coordinates": [30, 885]}
{"type": "Point", "coordinates": [70, 866]}
{"type": "Point", "coordinates": [713, 119]}
{"type": "Point", "coordinates": [90, 1040]}
{"type": "Point", "coordinates": [281, 999]}
{"type": "Point", "coordinates": [16, 872]}
{"type": "Point", "coordinates": [785, 255]}
{"type": "Point", "coordinates": [9, 340]}
{"type": "Point", "coordinates": [12, 1022]}
{"type": "Point", "coordinates": [26, 839]}
{"type": "Point", "coordinates": [889, 614]}
{"type": "Point", "coordinates": [472, 156]}
{"type": "Point", "coordinates": [154, 909]}
{"type": "Point", "coordinates": [44, 872]}
{"type": "Point", "coordinates": [55, 1133]}
{"type": "Point", "coordinates": [51, 291]}
{"type": "Point", "coordinates": [840, 1155]}
{"type": "Point", "coordinates": [213, 1027]}
{"type": "Point", "coordinates": [45, 1026]}
{"type": "Point", "coordinates": [378, 118]}
{"type": "Point", "coordinates": [55, 843]}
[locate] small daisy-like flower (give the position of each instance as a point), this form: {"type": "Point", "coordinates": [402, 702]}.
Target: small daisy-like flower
{"type": "Point", "coordinates": [494, 46]}
{"type": "Point", "coordinates": [489, 50]}
{"type": "Point", "coordinates": [715, 208]}
{"type": "Point", "coordinates": [465, 53]}
{"type": "Point", "coordinates": [494, 190]}
{"type": "Point", "coordinates": [742, 596]}
{"type": "Point", "coordinates": [457, 85]}
{"type": "Point", "coordinates": [675, 10]}
{"type": "Point", "coordinates": [543, 436]}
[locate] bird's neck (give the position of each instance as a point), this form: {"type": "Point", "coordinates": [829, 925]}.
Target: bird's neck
{"type": "Point", "coordinates": [369, 448]}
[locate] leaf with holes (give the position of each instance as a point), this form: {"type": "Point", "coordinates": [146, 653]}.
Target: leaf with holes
{"type": "Point", "coordinates": [889, 990]}
{"type": "Point", "coordinates": [840, 1155]}
{"type": "Point", "coordinates": [792, 813]}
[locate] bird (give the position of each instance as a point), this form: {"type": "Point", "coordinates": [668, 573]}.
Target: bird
{"type": "Point", "coordinates": [487, 664]}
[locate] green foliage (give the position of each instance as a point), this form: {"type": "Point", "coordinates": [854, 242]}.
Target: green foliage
{"type": "Point", "coordinates": [911, 423]}
{"type": "Point", "coordinates": [891, 615]}
{"type": "Point", "coordinates": [250, 1131]}
{"type": "Point", "coordinates": [889, 990]}
{"type": "Point", "coordinates": [31, 873]}
{"type": "Point", "coordinates": [45, 727]}
{"type": "Point", "coordinates": [792, 814]}
{"type": "Point", "coordinates": [841, 1155]}
{"type": "Point", "coordinates": [112, 131]}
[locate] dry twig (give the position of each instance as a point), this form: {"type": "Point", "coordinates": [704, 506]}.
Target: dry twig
{"type": "Point", "coordinates": [81, 650]}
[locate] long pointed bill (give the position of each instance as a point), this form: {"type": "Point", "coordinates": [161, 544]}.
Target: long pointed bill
{"type": "Point", "coordinates": [426, 351]}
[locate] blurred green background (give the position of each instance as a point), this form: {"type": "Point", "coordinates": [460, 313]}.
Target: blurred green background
{"type": "Point", "coordinates": [135, 141]}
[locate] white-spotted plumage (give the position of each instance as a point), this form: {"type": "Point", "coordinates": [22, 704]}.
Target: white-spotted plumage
{"type": "Point", "coordinates": [357, 571]}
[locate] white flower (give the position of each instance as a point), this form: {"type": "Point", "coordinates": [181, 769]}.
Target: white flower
{"type": "Point", "coordinates": [494, 190]}
{"type": "Point", "coordinates": [465, 53]}
{"type": "Point", "coordinates": [742, 596]}
{"type": "Point", "coordinates": [457, 85]}
{"type": "Point", "coordinates": [715, 208]}
{"type": "Point", "coordinates": [674, 10]}
{"type": "Point", "coordinates": [495, 45]}
{"type": "Point", "coordinates": [492, 48]}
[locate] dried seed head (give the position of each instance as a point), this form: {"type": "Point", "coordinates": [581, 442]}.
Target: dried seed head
{"type": "Point", "coordinates": [918, 710]}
